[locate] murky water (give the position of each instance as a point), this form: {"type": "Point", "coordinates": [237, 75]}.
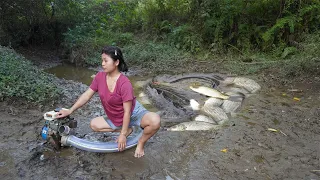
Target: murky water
{"type": "Point", "coordinates": [70, 72]}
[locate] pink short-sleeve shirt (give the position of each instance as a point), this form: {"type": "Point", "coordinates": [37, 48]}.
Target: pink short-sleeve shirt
{"type": "Point", "coordinates": [112, 102]}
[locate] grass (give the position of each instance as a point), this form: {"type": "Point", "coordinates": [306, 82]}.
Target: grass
{"type": "Point", "coordinates": [304, 61]}
{"type": "Point", "coordinates": [20, 79]}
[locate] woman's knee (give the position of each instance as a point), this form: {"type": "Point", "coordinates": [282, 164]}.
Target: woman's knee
{"type": "Point", "coordinates": [94, 124]}
{"type": "Point", "coordinates": [155, 121]}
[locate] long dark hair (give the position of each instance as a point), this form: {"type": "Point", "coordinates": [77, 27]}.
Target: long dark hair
{"type": "Point", "coordinates": [116, 54]}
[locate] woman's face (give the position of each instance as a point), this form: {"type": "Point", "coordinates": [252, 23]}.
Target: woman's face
{"type": "Point", "coordinates": [108, 64]}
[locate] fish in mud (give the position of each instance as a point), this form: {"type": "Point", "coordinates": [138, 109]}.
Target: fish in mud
{"type": "Point", "coordinates": [209, 102]}
{"type": "Point", "coordinates": [209, 92]}
{"type": "Point", "coordinates": [193, 126]}
{"type": "Point", "coordinates": [213, 102]}
{"type": "Point", "coordinates": [230, 91]}
{"type": "Point", "coordinates": [246, 83]}
{"type": "Point", "coordinates": [210, 109]}
{"type": "Point", "coordinates": [203, 118]}
{"type": "Point", "coordinates": [230, 106]}
{"type": "Point", "coordinates": [215, 113]}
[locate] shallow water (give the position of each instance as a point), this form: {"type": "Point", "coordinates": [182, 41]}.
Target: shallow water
{"type": "Point", "coordinates": [70, 72]}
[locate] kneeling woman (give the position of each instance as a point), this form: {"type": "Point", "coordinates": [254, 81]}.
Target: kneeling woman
{"type": "Point", "coordinates": [122, 109]}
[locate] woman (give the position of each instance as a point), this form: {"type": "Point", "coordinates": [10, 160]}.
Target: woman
{"type": "Point", "coordinates": [122, 109]}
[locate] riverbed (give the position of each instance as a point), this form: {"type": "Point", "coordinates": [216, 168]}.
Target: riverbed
{"type": "Point", "coordinates": [243, 149]}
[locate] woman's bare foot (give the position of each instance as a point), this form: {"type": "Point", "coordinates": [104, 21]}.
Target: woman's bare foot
{"type": "Point", "coordinates": [150, 124]}
{"type": "Point", "coordinates": [139, 150]}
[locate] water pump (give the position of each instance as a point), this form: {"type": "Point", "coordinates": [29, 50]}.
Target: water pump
{"type": "Point", "coordinates": [55, 127]}
{"type": "Point", "coordinates": [57, 131]}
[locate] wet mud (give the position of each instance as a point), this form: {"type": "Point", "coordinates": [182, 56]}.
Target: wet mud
{"type": "Point", "coordinates": [243, 149]}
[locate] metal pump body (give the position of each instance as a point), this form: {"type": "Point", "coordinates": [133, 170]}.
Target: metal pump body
{"type": "Point", "coordinates": [55, 127]}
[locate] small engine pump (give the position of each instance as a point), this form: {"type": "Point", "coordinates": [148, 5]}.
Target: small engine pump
{"type": "Point", "coordinates": [55, 127]}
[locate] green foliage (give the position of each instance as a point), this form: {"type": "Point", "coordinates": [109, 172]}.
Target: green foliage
{"type": "Point", "coordinates": [184, 37]}
{"type": "Point", "coordinates": [307, 61]}
{"type": "Point", "coordinates": [196, 26]}
{"type": "Point", "coordinates": [282, 26]}
{"type": "Point", "coordinates": [288, 51]}
{"type": "Point", "coordinates": [107, 26]}
{"type": "Point", "coordinates": [248, 24]}
{"type": "Point", "coordinates": [37, 21]}
{"type": "Point", "coordinates": [19, 78]}
{"type": "Point", "coordinates": [156, 57]}
{"type": "Point", "coordinates": [159, 15]}
{"type": "Point", "coordinates": [85, 46]}
{"type": "Point", "coordinates": [292, 63]}
{"type": "Point", "coordinates": [188, 24]}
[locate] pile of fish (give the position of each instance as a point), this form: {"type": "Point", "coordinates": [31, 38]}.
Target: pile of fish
{"type": "Point", "coordinates": [202, 101]}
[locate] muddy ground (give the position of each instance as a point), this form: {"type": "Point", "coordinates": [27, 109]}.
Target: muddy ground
{"type": "Point", "coordinates": [251, 151]}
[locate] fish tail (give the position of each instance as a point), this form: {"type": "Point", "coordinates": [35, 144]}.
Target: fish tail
{"type": "Point", "coordinates": [237, 98]}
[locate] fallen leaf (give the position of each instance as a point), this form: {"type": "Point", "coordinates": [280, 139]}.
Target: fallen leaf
{"type": "Point", "coordinates": [296, 99]}
{"type": "Point", "coordinates": [271, 129]}
{"type": "Point", "coordinates": [284, 94]}
{"type": "Point", "coordinates": [294, 90]}
{"type": "Point", "coordinates": [224, 150]}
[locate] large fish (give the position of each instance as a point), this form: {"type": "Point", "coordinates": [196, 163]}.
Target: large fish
{"type": "Point", "coordinates": [215, 112]}
{"type": "Point", "coordinates": [203, 118]}
{"type": "Point", "coordinates": [210, 109]}
{"type": "Point", "coordinates": [193, 126]}
{"type": "Point", "coordinates": [249, 84]}
{"type": "Point", "coordinates": [213, 102]}
{"type": "Point", "coordinates": [209, 92]}
{"type": "Point", "coordinates": [209, 102]}
{"type": "Point", "coordinates": [230, 106]}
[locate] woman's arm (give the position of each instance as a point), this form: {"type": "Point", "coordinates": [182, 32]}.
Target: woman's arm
{"type": "Point", "coordinates": [125, 125]}
{"type": "Point", "coordinates": [126, 117]}
{"type": "Point", "coordinates": [83, 99]}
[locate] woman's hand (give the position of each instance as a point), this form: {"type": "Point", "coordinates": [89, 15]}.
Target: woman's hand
{"type": "Point", "coordinates": [63, 113]}
{"type": "Point", "coordinates": [122, 142]}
